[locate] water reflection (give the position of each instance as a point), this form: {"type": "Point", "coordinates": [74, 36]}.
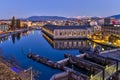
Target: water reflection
{"type": "Point", "coordinates": [73, 44]}
{"type": "Point", "coordinates": [18, 36]}
{"type": "Point", "coordinates": [34, 41]}
{"type": "Point", "coordinates": [4, 39]}
{"type": "Point", "coordinates": [14, 37]}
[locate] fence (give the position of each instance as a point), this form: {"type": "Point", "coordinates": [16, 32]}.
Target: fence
{"type": "Point", "coordinates": [98, 76]}
{"type": "Point", "coordinates": [109, 70]}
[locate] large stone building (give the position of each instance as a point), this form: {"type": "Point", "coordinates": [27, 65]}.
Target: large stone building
{"type": "Point", "coordinates": [67, 32]}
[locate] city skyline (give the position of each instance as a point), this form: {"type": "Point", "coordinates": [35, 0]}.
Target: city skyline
{"type": "Point", "coordinates": [66, 8]}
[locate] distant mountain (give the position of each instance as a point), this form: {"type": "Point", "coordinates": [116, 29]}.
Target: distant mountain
{"type": "Point", "coordinates": [115, 16]}
{"type": "Point", "coordinates": [43, 18]}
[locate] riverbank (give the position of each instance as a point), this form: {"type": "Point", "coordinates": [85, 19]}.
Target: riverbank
{"type": "Point", "coordinates": [7, 74]}
{"type": "Point", "coordinates": [105, 43]}
{"type": "Point", "coordinates": [9, 70]}
{"type": "Point", "coordinates": [10, 32]}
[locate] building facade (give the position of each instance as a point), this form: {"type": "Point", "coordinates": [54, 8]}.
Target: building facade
{"type": "Point", "coordinates": [4, 27]}
{"type": "Point", "coordinates": [111, 33]}
{"type": "Point", "coordinates": [25, 23]}
{"type": "Point", "coordinates": [67, 32]}
{"type": "Point", "coordinates": [109, 21]}
{"type": "Point", "coordinates": [111, 29]}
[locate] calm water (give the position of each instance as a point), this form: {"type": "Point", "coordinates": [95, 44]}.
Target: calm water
{"type": "Point", "coordinates": [33, 41]}
{"type": "Point", "coordinates": [19, 45]}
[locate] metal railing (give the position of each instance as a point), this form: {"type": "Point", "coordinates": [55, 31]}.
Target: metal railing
{"type": "Point", "coordinates": [109, 70]}
{"type": "Point", "coordinates": [98, 76]}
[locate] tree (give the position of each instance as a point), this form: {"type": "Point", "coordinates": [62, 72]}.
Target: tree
{"type": "Point", "coordinates": [18, 23]}
{"type": "Point", "coordinates": [13, 23]}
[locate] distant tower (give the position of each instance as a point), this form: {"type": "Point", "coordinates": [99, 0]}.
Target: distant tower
{"type": "Point", "coordinates": [13, 23]}
{"type": "Point", "coordinates": [18, 24]}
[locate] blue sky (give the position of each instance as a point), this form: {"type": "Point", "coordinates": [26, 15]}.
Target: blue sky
{"type": "Point", "coordinates": [68, 8]}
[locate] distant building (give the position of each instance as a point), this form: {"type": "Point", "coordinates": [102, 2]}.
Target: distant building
{"type": "Point", "coordinates": [109, 21]}
{"type": "Point", "coordinates": [101, 21]}
{"type": "Point", "coordinates": [26, 23]}
{"type": "Point", "coordinates": [39, 24]}
{"type": "Point", "coordinates": [67, 32]}
{"type": "Point", "coordinates": [118, 21]}
{"type": "Point", "coordinates": [112, 33]}
{"type": "Point", "coordinates": [3, 27]}
{"type": "Point", "coordinates": [5, 22]}
{"type": "Point", "coordinates": [93, 23]}
{"type": "Point", "coordinates": [111, 29]}
{"type": "Point", "coordinates": [95, 27]}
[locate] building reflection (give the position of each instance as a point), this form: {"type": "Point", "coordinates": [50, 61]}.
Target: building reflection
{"type": "Point", "coordinates": [18, 36]}
{"type": "Point", "coordinates": [72, 44]}
{"type": "Point", "coordinates": [66, 44]}
{"type": "Point", "coordinates": [14, 37]}
{"type": "Point", "coordinates": [4, 39]}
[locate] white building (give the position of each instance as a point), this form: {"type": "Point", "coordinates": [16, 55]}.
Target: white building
{"type": "Point", "coordinates": [4, 27]}
{"type": "Point", "coordinates": [67, 32]}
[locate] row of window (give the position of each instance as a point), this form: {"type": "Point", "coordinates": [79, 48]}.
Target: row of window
{"type": "Point", "coordinates": [73, 33]}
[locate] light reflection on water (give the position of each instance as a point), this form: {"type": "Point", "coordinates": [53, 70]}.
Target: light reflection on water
{"type": "Point", "coordinates": [20, 44]}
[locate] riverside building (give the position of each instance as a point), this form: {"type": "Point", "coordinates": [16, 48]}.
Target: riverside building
{"type": "Point", "coordinates": [67, 32]}
{"type": "Point", "coordinates": [112, 30]}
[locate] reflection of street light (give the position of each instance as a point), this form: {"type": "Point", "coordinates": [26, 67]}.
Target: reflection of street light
{"type": "Point", "coordinates": [30, 72]}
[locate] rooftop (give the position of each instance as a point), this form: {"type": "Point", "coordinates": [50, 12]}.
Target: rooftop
{"type": "Point", "coordinates": [53, 27]}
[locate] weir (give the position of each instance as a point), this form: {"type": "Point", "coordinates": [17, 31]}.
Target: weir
{"type": "Point", "coordinates": [100, 67]}
{"type": "Point", "coordinates": [72, 73]}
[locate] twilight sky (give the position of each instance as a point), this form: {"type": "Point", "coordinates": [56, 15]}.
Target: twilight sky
{"type": "Point", "coordinates": [68, 8]}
